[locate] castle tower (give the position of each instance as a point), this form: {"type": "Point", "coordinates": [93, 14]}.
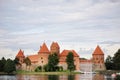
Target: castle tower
{"type": "Point", "coordinates": [98, 59]}
{"type": "Point", "coordinates": [43, 55]}
{"type": "Point", "coordinates": [20, 56]}
{"type": "Point", "coordinates": [54, 48]}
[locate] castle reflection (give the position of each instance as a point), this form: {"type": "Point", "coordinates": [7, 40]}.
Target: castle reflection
{"type": "Point", "coordinates": [62, 77]}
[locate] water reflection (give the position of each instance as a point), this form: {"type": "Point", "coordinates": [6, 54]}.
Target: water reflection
{"type": "Point", "coordinates": [56, 77]}
{"type": "Point", "coordinates": [98, 77]}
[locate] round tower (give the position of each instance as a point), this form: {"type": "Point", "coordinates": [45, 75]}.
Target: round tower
{"type": "Point", "coordinates": [54, 48]}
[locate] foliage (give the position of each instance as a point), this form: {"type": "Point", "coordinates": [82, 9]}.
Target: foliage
{"type": "Point", "coordinates": [2, 64]}
{"type": "Point", "coordinates": [70, 61]}
{"type": "Point", "coordinates": [38, 69]}
{"type": "Point", "coordinates": [53, 77]}
{"type": "Point", "coordinates": [109, 63]}
{"type": "Point", "coordinates": [16, 60]}
{"type": "Point", "coordinates": [9, 66]}
{"type": "Point", "coordinates": [83, 59]}
{"type": "Point", "coordinates": [117, 77]}
{"type": "Point", "coordinates": [71, 77]}
{"type": "Point", "coordinates": [46, 68]}
{"type": "Point", "coordinates": [60, 68]}
{"type": "Point", "coordinates": [53, 60]}
{"type": "Point", "coordinates": [116, 60]}
{"type": "Point", "coordinates": [113, 63]}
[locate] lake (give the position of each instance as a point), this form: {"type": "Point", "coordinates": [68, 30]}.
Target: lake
{"type": "Point", "coordinates": [57, 77]}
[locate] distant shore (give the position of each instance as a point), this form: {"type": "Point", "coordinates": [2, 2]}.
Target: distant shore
{"type": "Point", "coordinates": [106, 72]}
{"type": "Point", "coordinates": [41, 73]}
{"type": "Point", "coordinates": [109, 72]}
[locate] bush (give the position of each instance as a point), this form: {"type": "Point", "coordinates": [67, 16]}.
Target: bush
{"type": "Point", "coordinates": [117, 77]}
{"type": "Point", "coordinates": [38, 69]}
{"type": "Point", "coordinates": [46, 68]}
{"type": "Point", "coordinates": [60, 68]}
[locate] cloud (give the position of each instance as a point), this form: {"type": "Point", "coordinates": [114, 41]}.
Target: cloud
{"type": "Point", "coordinates": [73, 23]}
{"type": "Point", "coordinates": [110, 42]}
{"type": "Point", "coordinates": [86, 52]}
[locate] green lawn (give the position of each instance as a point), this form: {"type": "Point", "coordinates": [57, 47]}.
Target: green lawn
{"type": "Point", "coordinates": [47, 73]}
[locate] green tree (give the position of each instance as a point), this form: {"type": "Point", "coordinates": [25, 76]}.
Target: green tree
{"type": "Point", "coordinates": [53, 60]}
{"type": "Point", "coordinates": [38, 69]}
{"type": "Point", "coordinates": [46, 68]}
{"type": "Point", "coordinates": [109, 63]}
{"type": "Point", "coordinates": [27, 62]}
{"type": "Point", "coordinates": [16, 60]}
{"type": "Point", "coordinates": [70, 61]}
{"type": "Point", "coordinates": [116, 60]}
{"type": "Point", "coordinates": [9, 66]}
{"type": "Point", "coordinates": [2, 64]}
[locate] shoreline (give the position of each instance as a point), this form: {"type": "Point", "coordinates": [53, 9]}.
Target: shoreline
{"type": "Point", "coordinates": [40, 73]}
{"type": "Point", "coordinates": [20, 72]}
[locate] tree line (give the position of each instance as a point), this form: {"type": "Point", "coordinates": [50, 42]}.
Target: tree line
{"type": "Point", "coordinates": [7, 66]}
{"type": "Point", "coordinates": [113, 63]}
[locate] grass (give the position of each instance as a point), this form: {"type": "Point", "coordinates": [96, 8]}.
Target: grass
{"type": "Point", "coordinates": [45, 73]}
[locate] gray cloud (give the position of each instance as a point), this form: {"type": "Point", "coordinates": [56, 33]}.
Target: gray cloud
{"type": "Point", "coordinates": [110, 42]}
{"type": "Point", "coordinates": [28, 23]}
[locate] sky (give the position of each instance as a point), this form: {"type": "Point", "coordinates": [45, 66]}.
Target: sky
{"type": "Point", "coordinates": [75, 24]}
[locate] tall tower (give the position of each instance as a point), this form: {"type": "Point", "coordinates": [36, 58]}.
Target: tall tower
{"type": "Point", "coordinates": [20, 56]}
{"type": "Point", "coordinates": [54, 48]}
{"type": "Point", "coordinates": [98, 59]}
{"type": "Point", "coordinates": [43, 54]}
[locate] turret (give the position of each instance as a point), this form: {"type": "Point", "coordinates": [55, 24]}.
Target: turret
{"type": "Point", "coordinates": [54, 48]}
{"type": "Point", "coordinates": [98, 59]}
{"type": "Point", "coordinates": [20, 56]}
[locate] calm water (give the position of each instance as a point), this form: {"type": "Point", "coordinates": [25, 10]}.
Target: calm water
{"type": "Point", "coordinates": [56, 77]}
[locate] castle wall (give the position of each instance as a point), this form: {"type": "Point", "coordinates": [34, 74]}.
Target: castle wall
{"type": "Point", "coordinates": [62, 62]}
{"type": "Point", "coordinates": [43, 59]}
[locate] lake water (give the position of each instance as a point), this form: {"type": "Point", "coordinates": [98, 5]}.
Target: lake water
{"type": "Point", "coordinates": [56, 77]}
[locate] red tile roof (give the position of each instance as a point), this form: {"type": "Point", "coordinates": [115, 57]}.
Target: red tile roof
{"type": "Point", "coordinates": [55, 44]}
{"type": "Point", "coordinates": [85, 61]}
{"type": "Point", "coordinates": [33, 58]}
{"type": "Point", "coordinates": [44, 49]}
{"type": "Point", "coordinates": [65, 53]}
{"type": "Point", "coordinates": [98, 51]}
{"type": "Point", "coordinates": [20, 54]}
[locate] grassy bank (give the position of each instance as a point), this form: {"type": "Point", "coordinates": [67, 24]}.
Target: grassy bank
{"type": "Point", "coordinates": [46, 73]}
{"type": "Point", "coordinates": [3, 73]}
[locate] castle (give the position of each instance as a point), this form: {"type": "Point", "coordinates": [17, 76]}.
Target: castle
{"type": "Point", "coordinates": [41, 58]}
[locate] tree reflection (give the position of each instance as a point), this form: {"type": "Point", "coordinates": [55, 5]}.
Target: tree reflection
{"type": "Point", "coordinates": [53, 77]}
{"type": "Point", "coordinates": [71, 77]}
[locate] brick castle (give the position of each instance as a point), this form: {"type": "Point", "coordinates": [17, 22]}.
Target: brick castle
{"type": "Point", "coordinates": [41, 58]}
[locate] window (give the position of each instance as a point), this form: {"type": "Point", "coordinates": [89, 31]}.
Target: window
{"type": "Point", "coordinates": [41, 57]}
{"type": "Point", "coordinates": [41, 61]}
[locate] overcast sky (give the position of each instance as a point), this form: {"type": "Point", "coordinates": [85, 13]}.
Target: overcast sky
{"type": "Point", "coordinates": [75, 24]}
